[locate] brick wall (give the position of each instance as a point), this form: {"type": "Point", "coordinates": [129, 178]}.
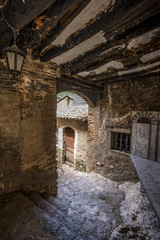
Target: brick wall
{"type": "Point", "coordinates": [27, 129]}
{"type": "Point", "coordinates": [93, 134]}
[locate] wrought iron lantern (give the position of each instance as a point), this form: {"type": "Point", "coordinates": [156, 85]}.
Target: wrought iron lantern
{"type": "Point", "coordinates": [15, 57]}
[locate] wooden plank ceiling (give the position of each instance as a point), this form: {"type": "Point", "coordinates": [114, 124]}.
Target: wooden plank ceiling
{"type": "Point", "coordinates": [93, 42]}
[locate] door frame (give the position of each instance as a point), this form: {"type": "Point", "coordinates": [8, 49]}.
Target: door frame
{"type": "Point", "coordinates": [65, 146]}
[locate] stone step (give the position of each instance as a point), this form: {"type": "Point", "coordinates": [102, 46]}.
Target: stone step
{"type": "Point", "coordinates": [74, 217]}
{"type": "Point", "coordinates": [55, 202]}
{"type": "Point", "coordinates": [21, 217]}
{"type": "Point", "coordinates": [61, 225]}
{"type": "Point", "coordinates": [44, 204]}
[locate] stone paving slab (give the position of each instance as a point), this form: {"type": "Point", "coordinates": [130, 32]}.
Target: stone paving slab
{"type": "Point", "coordinates": [149, 174]}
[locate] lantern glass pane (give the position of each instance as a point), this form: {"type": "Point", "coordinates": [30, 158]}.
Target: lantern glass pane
{"type": "Point", "coordinates": [20, 59]}
{"type": "Point", "coordinates": [11, 60]}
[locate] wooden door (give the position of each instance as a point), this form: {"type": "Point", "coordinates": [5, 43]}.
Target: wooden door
{"type": "Point", "coordinates": [69, 140]}
{"type": "Point", "coordinates": [140, 139]}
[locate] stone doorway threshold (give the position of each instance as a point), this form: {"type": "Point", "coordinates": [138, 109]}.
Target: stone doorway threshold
{"type": "Point", "coordinates": [149, 174]}
{"type": "Point", "coordinates": [68, 164]}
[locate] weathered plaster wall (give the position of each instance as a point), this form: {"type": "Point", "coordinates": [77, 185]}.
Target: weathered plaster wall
{"type": "Point", "coordinates": [80, 146]}
{"type": "Point", "coordinates": [27, 129]}
{"type": "Point", "coordinates": [117, 103]}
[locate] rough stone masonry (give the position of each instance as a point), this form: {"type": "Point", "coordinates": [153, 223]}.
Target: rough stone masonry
{"type": "Point", "coordinates": [27, 129]}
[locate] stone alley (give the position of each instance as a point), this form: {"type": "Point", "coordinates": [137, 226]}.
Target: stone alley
{"type": "Point", "coordinates": [87, 207]}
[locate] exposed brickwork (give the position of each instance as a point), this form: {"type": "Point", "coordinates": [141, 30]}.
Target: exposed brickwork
{"type": "Point", "coordinates": [93, 133]}
{"type": "Point", "coordinates": [28, 123]}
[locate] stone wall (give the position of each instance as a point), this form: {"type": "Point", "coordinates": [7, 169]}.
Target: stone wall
{"type": "Point", "coordinates": [118, 101]}
{"type": "Point", "coordinates": [80, 144]}
{"type": "Point", "coordinates": [27, 129]}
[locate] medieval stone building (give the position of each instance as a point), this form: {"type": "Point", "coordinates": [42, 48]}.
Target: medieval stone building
{"type": "Point", "coordinates": [72, 132]}
{"type": "Point", "coordinates": [108, 53]}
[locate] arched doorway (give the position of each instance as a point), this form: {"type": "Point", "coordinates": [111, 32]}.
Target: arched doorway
{"type": "Point", "coordinates": [72, 130]}
{"type": "Point", "coordinates": [75, 112]}
{"type": "Point", "coordinates": [69, 145]}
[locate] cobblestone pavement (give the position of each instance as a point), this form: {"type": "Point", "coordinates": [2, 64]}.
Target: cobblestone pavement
{"type": "Point", "coordinates": [90, 201]}
{"type": "Point", "coordinates": [84, 208]}
{"type": "Point", "coordinates": [87, 207]}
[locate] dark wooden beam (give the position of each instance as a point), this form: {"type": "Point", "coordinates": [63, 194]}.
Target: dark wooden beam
{"type": "Point", "coordinates": [1, 2]}
{"type": "Point", "coordinates": [80, 83]}
{"type": "Point", "coordinates": [134, 77]}
{"type": "Point", "coordinates": [94, 58]}
{"type": "Point", "coordinates": [128, 57]}
{"type": "Point", "coordinates": [19, 13]}
{"type": "Point", "coordinates": [122, 16]}
{"type": "Point", "coordinates": [59, 25]}
{"type": "Point", "coordinates": [45, 24]}
{"type": "Point", "coordinates": [75, 79]}
{"type": "Point", "coordinates": [104, 78]}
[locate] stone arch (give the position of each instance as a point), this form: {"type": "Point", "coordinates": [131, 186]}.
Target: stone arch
{"type": "Point", "coordinates": [92, 97]}
{"type": "Point", "coordinates": [82, 95]}
{"type": "Point", "coordinates": [144, 117]}
{"type": "Point", "coordinates": [89, 95]}
{"type": "Point", "coordinates": [79, 124]}
{"type": "Point", "coordinates": [87, 99]}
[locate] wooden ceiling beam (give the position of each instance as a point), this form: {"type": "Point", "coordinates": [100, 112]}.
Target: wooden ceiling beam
{"type": "Point", "coordinates": [127, 57]}
{"type": "Point", "coordinates": [95, 57]}
{"type": "Point", "coordinates": [18, 14]}
{"type": "Point", "coordinates": [133, 77]}
{"type": "Point", "coordinates": [59, 25]}
{"type": "Point", "coordinates": [114, 76]}
{"type": "Point", "coordinates": [36, 33]}
{"type": "Point", "coordinates": [122, 16]}
{"type": "Point", "coordinates": [79, 83]}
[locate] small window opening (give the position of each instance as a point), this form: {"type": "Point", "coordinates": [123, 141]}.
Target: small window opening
{"type": "Point", "coordinates": [121, 142]}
